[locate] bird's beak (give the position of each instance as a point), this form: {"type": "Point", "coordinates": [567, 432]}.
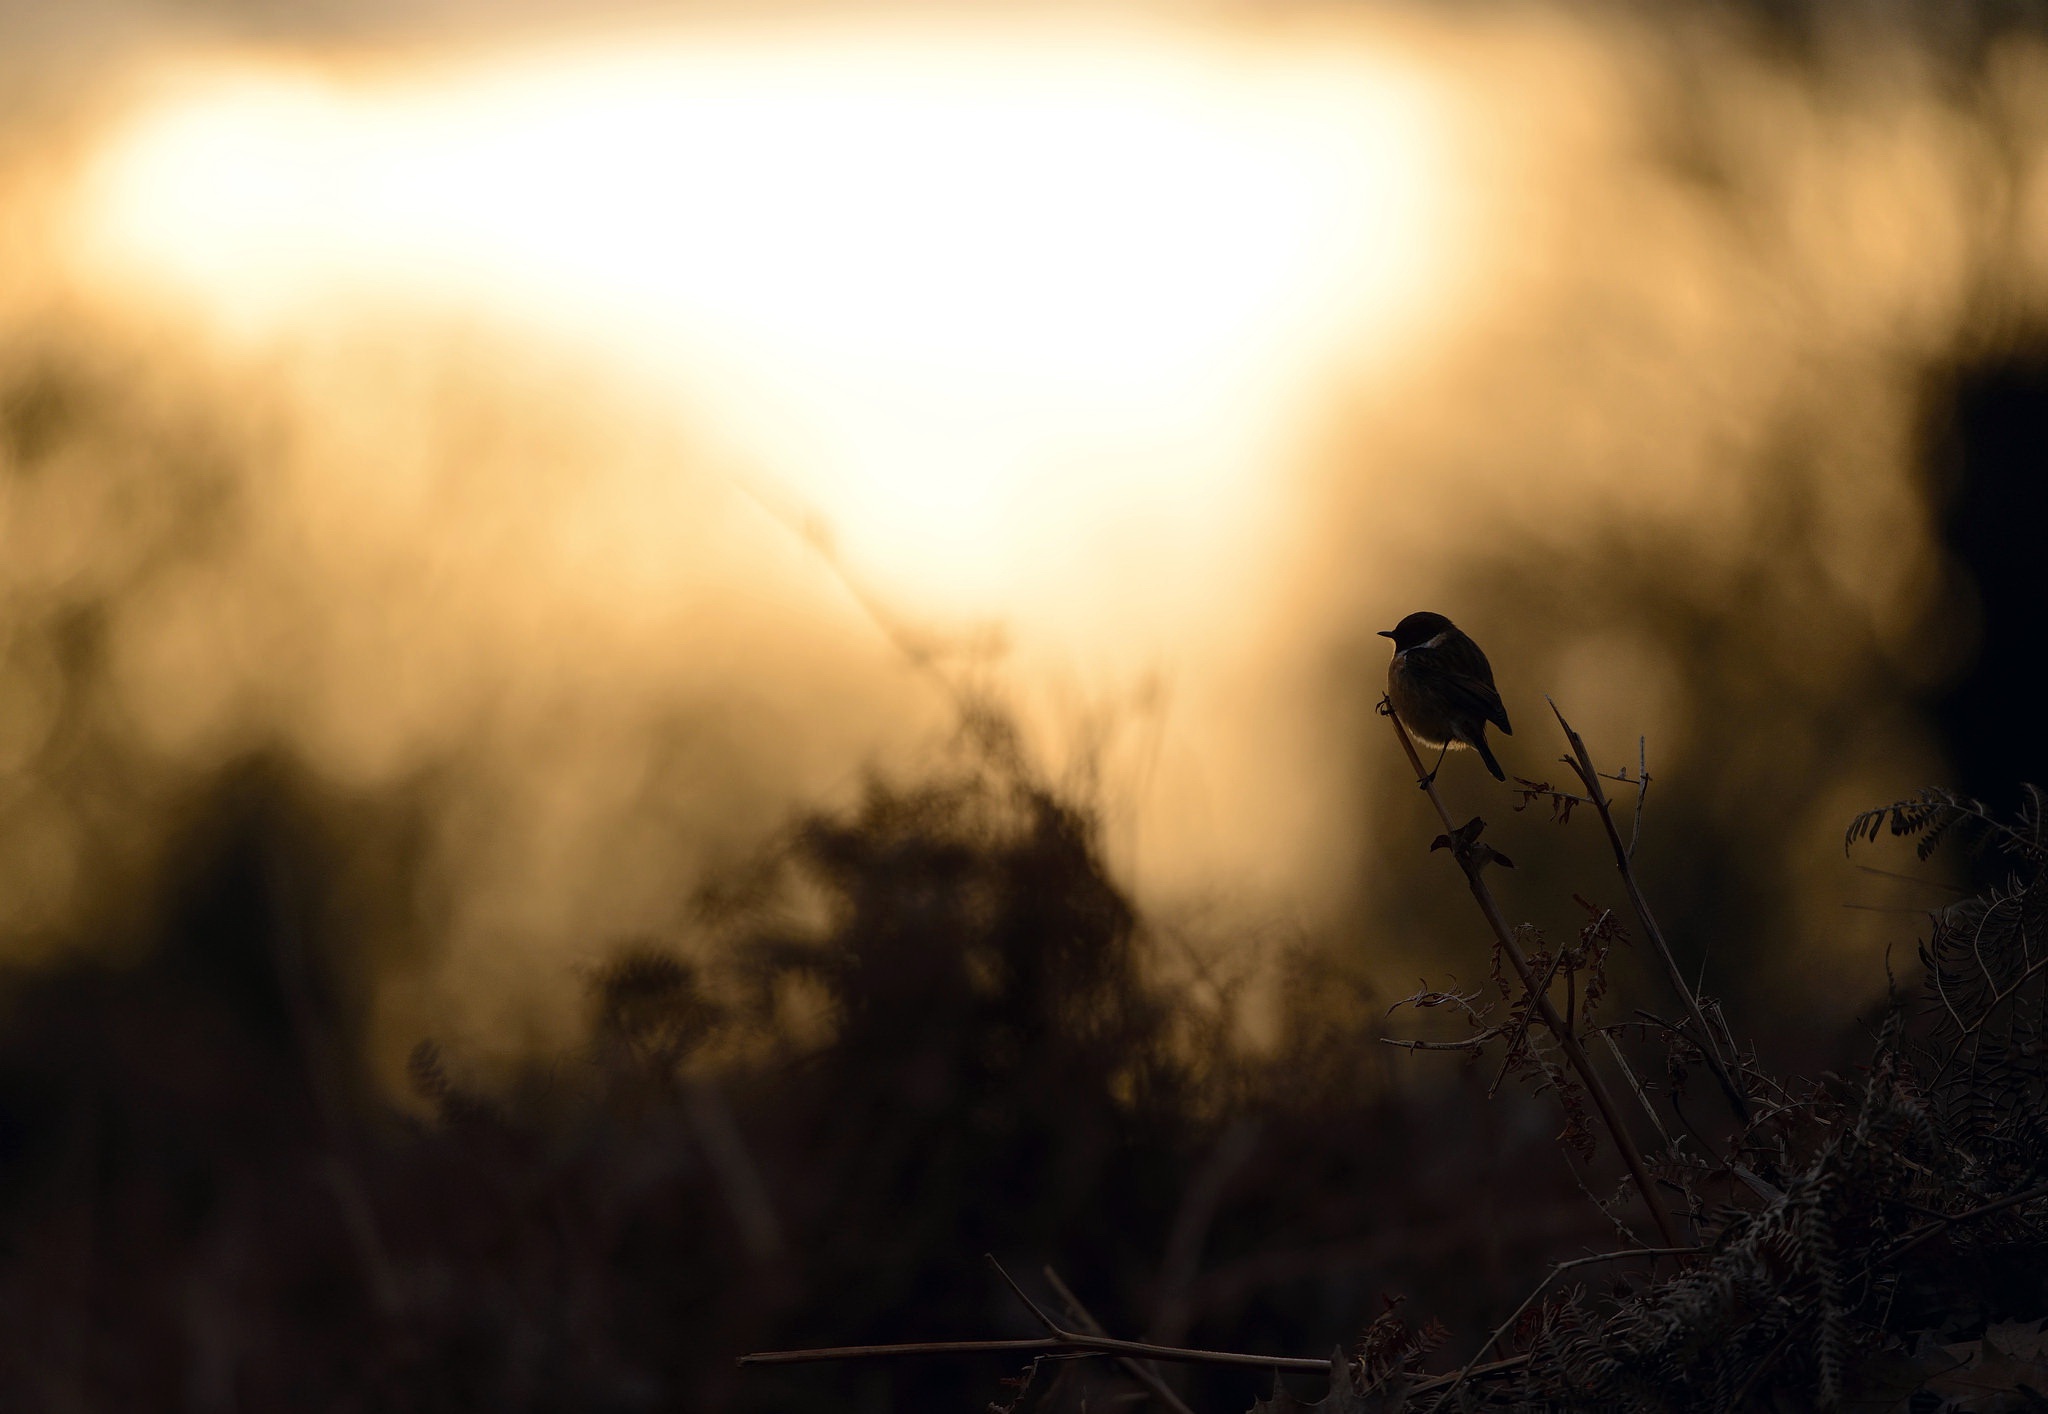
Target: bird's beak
{"type": "Point", "coordinates": [1386, 633]}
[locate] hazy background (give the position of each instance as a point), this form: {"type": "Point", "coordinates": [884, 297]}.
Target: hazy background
{"type": "Point", "coordinates": [576, 451]}
{"type": "Point", "coordinates": [661, 677]}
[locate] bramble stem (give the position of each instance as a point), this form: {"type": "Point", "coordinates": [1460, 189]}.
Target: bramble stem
{"type": "Point", "coordinates": [1472, 862]}
{"type": "Point", "coordinates": [1581, 762]}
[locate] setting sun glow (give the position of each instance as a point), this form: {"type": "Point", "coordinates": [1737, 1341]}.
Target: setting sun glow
{"type": "Point", "coordinates": [994, 307]}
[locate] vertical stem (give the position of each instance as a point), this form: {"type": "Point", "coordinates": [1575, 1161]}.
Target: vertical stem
{"type": "Point", "coordinates": [1610, 1114]}
{"type": "Point", "coordinates": [1709, 1046]}
{"type": "Point", "coordinates": [1628, 1074]}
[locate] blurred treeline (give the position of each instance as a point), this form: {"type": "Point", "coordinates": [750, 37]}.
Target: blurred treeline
{"type": "Point", "coordinates": [814, 1138]}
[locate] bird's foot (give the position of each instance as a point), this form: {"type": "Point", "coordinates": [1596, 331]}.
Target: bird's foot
{"type": "Point", "coordinates": [1426, 782]}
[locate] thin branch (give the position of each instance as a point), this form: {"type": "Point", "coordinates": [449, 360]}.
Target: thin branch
{"type": "Point", "coordinates": [1492, 1367]}
{"type": "Point", "coordinates": [1924, 1233]}
{"type": "Point", "coordinates": [1081, 1344]}
{"type": "Point", "coordinates": [1955, 889]}
{"type": "Point", "coordinates": [1635, 824]}
{"type": "Point", "coordinates": [1556, 1270]}
{"type": "Point", "coordinates": [1637, 1086]}
{"type": "Point", "coordinates": [1472, 858]}
{"type": "Point", "coordinates": [1140, 1370]}
{"type": "Point", "coordinates": [1471, 1043]}
{"type": "Point", "coordinates": [1522, 1027]}
{"type": "Point", "coordinates": [1581, 762]}
{"type": "Point", "coordinates": [1052, 1327]}
{"type": "Point", "coordinates": [1069, 1342]}
{"type": "Point", "coordinates": [1706, 1145]}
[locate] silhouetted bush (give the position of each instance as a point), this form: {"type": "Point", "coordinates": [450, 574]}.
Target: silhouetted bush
{"type": "Point", "coordinates": [205, 1206]}
{"type": "Point", "coordinates": [934, 1027]}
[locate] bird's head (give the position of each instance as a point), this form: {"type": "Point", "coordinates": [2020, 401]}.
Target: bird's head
{"type": "Point", "coordinates": [1415, 630]}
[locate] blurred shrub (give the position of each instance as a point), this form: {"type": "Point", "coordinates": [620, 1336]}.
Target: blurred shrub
{"type": "Point", "coordinates": [205, 1207]}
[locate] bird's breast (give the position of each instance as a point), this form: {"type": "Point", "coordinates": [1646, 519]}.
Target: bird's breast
{"type": "Point", "coordinates": [1416, 706]}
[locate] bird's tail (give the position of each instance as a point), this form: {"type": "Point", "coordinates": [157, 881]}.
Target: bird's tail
{"type": "Point", "coordinates": [1486, 755]}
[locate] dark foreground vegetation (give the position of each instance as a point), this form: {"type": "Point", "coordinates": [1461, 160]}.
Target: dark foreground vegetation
{"type": "Point", "coordinates": [809, 1128]}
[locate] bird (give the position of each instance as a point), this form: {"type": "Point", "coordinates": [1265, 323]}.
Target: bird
{"type": "Point", "coordinates": [1441, 687]}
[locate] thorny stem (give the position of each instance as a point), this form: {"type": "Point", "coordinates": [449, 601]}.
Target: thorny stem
{"type": "Point", "coordinates": [1581, 762]}
{"type": "Point", "coordinates": [1472, 862]}
{"type": "Point", "coordinates": [1635, 818]}
{"type": "Point", "coordinates": [1522, 1029]}
{"type": "Point", "coordinates": [1628, 1074]}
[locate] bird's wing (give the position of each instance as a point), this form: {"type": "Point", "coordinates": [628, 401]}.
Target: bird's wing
{"type": "Point", "coordinates": [1472, 692]}
{"type": "Point", "coordinates": [1472, 662]}
{"type": "Point", "coordinates": [1486, 701]}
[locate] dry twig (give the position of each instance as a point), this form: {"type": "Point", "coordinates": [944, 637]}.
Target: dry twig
{"type": "Point", "coordinates": [1556, 1270]}
{"type": "Point", "coordinates": [1140, 1370]}
{"type": "Point", "coordinates": [1057, 1340]}
{"type": "Point", "coordinates": [1473, 857]}
{"type": "Point", "coordinates": [1581, 762]}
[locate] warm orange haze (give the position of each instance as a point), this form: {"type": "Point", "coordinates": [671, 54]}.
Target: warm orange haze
{"type": "Point", "coordinates": [633, 415]}
{"type": "Point", "coordinates": [1034, 322]}
{"type": "Point", "coordinates": [663, 674]}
